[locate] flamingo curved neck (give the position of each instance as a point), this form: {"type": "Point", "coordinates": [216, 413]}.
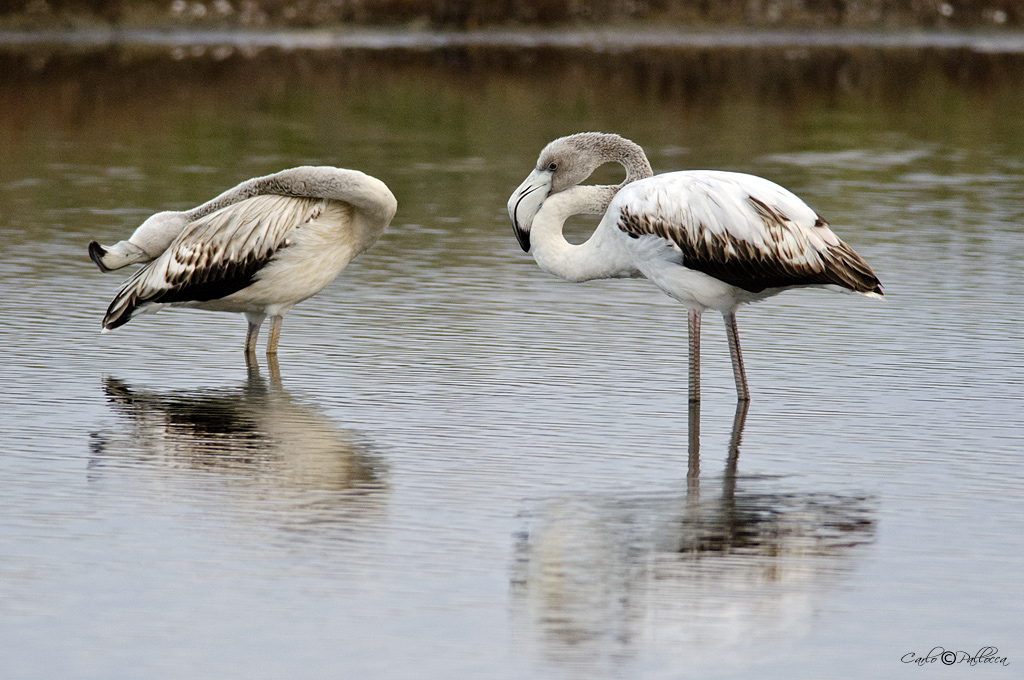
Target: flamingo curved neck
{"type": "Point", "coordinates": [603, 148]}
{"type": "Point", "coordinates": [367, 194]}
{"type": "Point", "coordinates": [636, 164]}
{"type": "Point", "coordinates": [594, 259]}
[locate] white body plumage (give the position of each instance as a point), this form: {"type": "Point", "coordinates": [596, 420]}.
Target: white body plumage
{"type": "Point", "coordinates": [735, 218]}
{"type": "Point", "coordinates": [258, 249]}
{"type": "Point", "coordinates": [710, 239]}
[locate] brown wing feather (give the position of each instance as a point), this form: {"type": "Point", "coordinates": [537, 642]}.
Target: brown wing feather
{"type": "Point", "coordinates": [752, 267]}
{"type": "Point", "coordinates": [215, 256]}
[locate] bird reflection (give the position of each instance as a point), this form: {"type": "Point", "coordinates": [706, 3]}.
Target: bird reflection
{"type": "Point", "coordinates": [257, 437]}
{"type": "Point", "coordinates": [699, 572]}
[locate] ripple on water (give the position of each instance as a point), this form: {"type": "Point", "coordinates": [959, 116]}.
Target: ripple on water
{"type": "Point", "coordinates": [464, 458]}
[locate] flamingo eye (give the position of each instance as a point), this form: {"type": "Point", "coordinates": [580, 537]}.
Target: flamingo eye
{"type": "Point", "coordinates": [552, 166]}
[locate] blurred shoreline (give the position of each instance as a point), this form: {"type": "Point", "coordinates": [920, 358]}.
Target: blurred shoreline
{"type": "Point", "coordinates": [616, 39]}
{"type": "Point", "coordinates": [413, 15]}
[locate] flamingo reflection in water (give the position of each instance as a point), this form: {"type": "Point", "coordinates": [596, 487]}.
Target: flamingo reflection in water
{"type": "Point", "coordinates": [706, 576]}
{"type": "Point", "coordinates": [257, 436]}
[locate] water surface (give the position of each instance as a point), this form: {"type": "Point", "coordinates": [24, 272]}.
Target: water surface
{"type": "Point", "coordinates": [463, 467]}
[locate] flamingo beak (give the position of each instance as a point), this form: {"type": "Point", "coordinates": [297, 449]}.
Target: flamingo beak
{"type": "Point", "coordinates": [525, 203]}
{"type": "Point", "coordinates": [523, 236]}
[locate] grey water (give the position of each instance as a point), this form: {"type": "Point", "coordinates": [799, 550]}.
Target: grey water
{"type": "Point", "coordinates": [463, 467]}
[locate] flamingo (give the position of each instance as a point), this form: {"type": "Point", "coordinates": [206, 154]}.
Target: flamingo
{"type": "Point", "coordinates": [257, 249]}
{"type": "Point", "coordinates": [709, 239]}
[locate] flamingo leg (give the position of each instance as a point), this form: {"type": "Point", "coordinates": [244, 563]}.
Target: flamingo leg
{"type": "Point", "coordinates": [738, 372]}
{"type": "Point", "coordinates": [693, 319]}
{"type": "Point", "coordinates": [255, 321]}
{"type": "Point", "coordinates": [275, 335]}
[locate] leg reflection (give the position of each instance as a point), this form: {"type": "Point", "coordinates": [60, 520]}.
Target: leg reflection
{"type": "Point", "coordinates": [738, 422]}
{"type": "Point", "coordinates": [693, 466]}
{"type": "Point", "coordinates": [252, 370]}
{"type": "Point", "coordinates": [275, 372]}
{"type": "Point", "coordinates": [693, 462]}
{"type": "Point", "coordinates": [733, 523]}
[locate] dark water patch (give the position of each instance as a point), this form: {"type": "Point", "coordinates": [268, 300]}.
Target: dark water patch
{"type": "Point", "coordinates": [72, 88]}
{"type": "Point", "coordinates": [688, 72]}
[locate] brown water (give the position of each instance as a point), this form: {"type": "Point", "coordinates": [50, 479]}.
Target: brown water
{"type": "Point", "coordinates": [467, 468]}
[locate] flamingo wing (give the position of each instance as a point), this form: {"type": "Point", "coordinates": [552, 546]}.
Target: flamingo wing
{"type": "Point", "coordinates": [216, 255]}
{"type": "Point", "coordinates": [744, 230]}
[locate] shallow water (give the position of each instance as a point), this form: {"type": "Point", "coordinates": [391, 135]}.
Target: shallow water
{"type": "Point", "coordinates": [463, 467]}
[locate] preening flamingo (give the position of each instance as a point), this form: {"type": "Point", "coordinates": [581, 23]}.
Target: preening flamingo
{"type": "Point", "coordinates": [257, 249]}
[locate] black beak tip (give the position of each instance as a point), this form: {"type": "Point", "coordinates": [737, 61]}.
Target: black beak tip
{"type": "Point", "coordinates": [523, 236]}
{"type": "Point", "coordinates": [96, 253]}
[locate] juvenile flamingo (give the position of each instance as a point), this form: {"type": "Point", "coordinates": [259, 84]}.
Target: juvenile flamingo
{"type": "Point", "coordinates": [257, 249]}
{"type": "Point", "coordinates": [709, 239]}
